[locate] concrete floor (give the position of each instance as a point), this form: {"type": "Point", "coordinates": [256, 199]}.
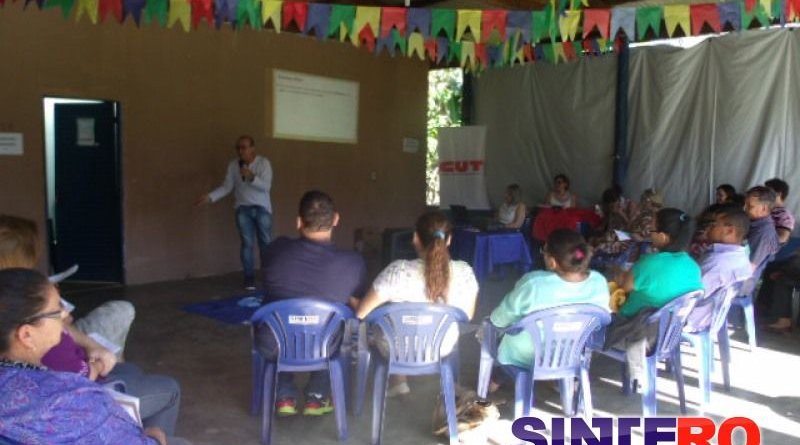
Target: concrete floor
{"type": "Point", "coordinates": [212, 362]}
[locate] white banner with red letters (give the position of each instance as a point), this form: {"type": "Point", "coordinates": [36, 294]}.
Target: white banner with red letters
{"type": "Point", "coordinates": [462, 165]}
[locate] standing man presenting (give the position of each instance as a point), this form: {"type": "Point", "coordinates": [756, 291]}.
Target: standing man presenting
{"type": "Point", "coordinates": [250, 178]}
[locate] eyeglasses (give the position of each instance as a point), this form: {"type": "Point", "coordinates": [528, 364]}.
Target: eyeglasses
{"type": "Point", "coordinates": [55, 315]}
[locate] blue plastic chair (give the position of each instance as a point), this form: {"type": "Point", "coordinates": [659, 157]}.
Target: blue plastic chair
{"type": "Point", "coordinates": [305, 330]}
{"type": "Point", "coordinates": [702, 341]}
{"type": "Point", "coordinates": [745, 301]}
{"type": "Point", "coordinates": [671, 320]}
{"type": "Point", "coordinates": [414, 333]}
{"type": "Point", "coordinates": [559, 335]}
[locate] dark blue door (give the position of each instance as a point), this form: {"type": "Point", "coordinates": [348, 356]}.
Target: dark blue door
{"type": "Point", "coordinates": [88, 211]}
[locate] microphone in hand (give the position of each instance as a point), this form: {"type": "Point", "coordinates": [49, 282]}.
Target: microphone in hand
{"type": "Point", "coordinates": [242, 164]}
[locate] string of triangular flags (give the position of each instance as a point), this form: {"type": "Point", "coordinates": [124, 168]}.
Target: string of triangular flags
{"type": "Point", "coordinates": [475, 39]}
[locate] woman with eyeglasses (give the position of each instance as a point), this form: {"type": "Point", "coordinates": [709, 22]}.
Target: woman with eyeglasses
{"type": "Point", "coordinates": [39, 406]}
{"type": "Point", "coordinates": [560, 196]}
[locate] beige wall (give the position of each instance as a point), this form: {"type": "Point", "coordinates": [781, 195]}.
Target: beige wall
{"type": "Point", "coordinates": [185, 97]}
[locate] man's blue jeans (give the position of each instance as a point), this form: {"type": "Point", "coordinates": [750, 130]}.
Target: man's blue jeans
{"type": "Point", "coordinates": [253, 222]}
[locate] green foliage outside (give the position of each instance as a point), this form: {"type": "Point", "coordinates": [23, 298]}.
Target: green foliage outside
{"type": "Point", "coordinates": [444, 110]}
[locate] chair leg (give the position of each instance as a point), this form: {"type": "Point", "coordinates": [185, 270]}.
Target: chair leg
{"type": "Point", "coordinates": [257, 383]}
{"type": "Point", "coordinates": [706, 358]}
{"type": "Point", "coordinates": [725, 356]}
{"type": "Point", "coordinates": [586, 393]}
{"type": "Point", "coordinates": [750, 320]}
{"type": "Point", "coordinates": [485, 374]}
{"type": "Point", "coordinates": [523, 394]}
{"type": "Point", "coordinates": [362, 372]}
{"type": "Point", "coordinates": [649, 402]}
{"type": "Point", "coordinates": [677, 371]}
{"type": "Point", "coordinates": [270, 385]}
{"type": "Point", "coordinates": [339, 399]}
{"type": "Point", "coordinates": [379, 400]}
{"type": "Point", "coordinates": [626, 380]}
{"type": "Point", "coordinates": [567, 386]}
{"type": "Point", "coordinates": [449, 395]}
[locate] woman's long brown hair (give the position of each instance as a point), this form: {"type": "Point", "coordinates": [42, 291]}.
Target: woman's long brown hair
{"type": "Point", "coordinates": [433, 230]}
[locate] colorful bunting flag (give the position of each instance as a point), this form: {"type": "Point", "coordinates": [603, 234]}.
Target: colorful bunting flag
{"type": "Point", "coordinates": [468, 18]}
{"type": "Point", "coordinates": [730, 13]}
{"type": "Point", "coordinates": [757, 13]}
{"type": "Point", "coordinates": [704, 13]}
{"type": "Point", "coordinates": [749, 5]}
{"type": "Point", "coordinates": [493, 21]}
{"type": "Point", "coordinates": [294, 12]}
{"type": "Point", "coordinates": [494, 55]}
{"type": "Point", "coordinates": [419, 19]}
{"type": "Point", "coordinates": [442, 48]}
{"type": "Point", "coordinates": [791, 11]}
{"type": "Point", "coordinates": [133, 8]}
{"type": "Point", "coordinates": [569, 50]}
{"type": "Point", "coordinates": [416, 45]}
{"type": "Point", "coordinates": [558, 52]}
{"type": "Point", "coordinates": [519, 22]}
{"type": "Point", "coordinates": [541, 24]}
{"type": "Point", "coordinates": [675, 15]}
{"type": "Point", "coordinates": [224, 11]}
{"type": "Point", "coordinates": [467, 56]}
{"type": "Point", "coordinates": [367, 37]}
{"type": "Point", "coordinates": [271, 13]}
{"type": "Point", "coordinates": [65, 5]}
{"type": "Point", "coordinates": [180, 11]}
{"type": "Point", "coordinates": [481, 56]}
{"type": "Point", "coordinates": [430, 49]}
{"type": "Point", "coordinates": [156, 10]}
{"type": "Point", "coordinates": [393, 18]}
{"type": "Point", "coordinates": [249, 11]}
{"type": "Point", "coordinates": [599, 18]}
{"type": "Point", "coordinates": [342, 19]}
{"type": "Point", "coordinates": [90, 8]}
{"type": "Point", "coordinates": [443, 20]}
{"type": "Point", "coordinates": [113, 7]}
{"type": "Point", "coordinates": [454, 55]}
{"type": "Point", "coordinates": [202, 10]}
{"type": "Point", "coordinates": [648, 17]}
{"type": "Point", "coordinates": [367, 17]}
{"type": "Point", "coordinates": [625, 19]}
{"type": "Point", "coordinates": [568, 24]}
{"type": "Point", "coordinates": [319, 18]}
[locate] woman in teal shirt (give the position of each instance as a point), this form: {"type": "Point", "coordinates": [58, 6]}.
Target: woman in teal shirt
{"type": "Point", "coordinates": [658, 278]}
{"type": "Point", "coordinates": [568, 280]}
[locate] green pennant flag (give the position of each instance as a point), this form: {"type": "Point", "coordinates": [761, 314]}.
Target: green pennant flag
{"type": "Point", "coordinates": [249, 10]}
{"type": "Point", "coordinates": [758, 13]}
{"type": "Point", "coordinates": [65, 5]}
{"type": "Point", "coordinates": [541, 23]}
{"type": "Point", "coordinates": [549, 53]}
{"type": "Point", "coordinates": [398, 40]}
{"type": "Point", "coordinates": [648, 17]}
{"type": "Point", "coordinates": [341, 16]}
{"type": "Point", "coordinates": [562, 6]}
{"type": "Point", "coordinates": [158, 10]}
{"type": "Point", "coordinates": [444, 19]}
{"type": "Point", "coordinates": [455, 52]}
{"type": "Point", "coordinates": [777, 8]}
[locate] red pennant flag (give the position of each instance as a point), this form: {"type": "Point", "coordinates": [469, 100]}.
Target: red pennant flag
{"type": "Point", "coordinates": [601, 18]}
{"type": "Point", "coordinates": [108, 6]}
{"type": "Point", "coordinates": [707, 13]}
{"type": "Point", "coordinates": [393, 17]}
{"type": "Point", "coordinates": [529, 54]}
{"type": "Point", "coordinates": [749, 5]}
{"type": "Point", "coordinates": [202, 10]}
{"type": "Point", "coordinates": [430, 49]}
{"type": "Point", "coordinates": [617, 45]}
{"type": "Point", "coordinates": [491, 20]}
{"type": "Point", "coordinates": [296, 12]}
{"type": "Point", "coordinates": [481, 54]}
{"type": "Point", "coordinates": [587, 47]}
{"type": "Point", "coordinates": [792, 9]}
{"type": "Point", "coordinates": [367, 37]}
{"type": "Point", "coordinates": [569, 50]}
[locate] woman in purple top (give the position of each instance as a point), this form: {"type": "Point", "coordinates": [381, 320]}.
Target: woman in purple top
{"type": "Point", "coordinates": [38, 406]}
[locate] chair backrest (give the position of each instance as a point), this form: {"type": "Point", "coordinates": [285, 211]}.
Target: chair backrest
{"type": "Point", "coordinates": [723, 297]}
{"type": "Point", "coordinates": [670, 319]}
{"type": "Point", "coordinates": [749, 285]}
{"type": "Point", "coordinates": [415, 331]}
{"type": "Point", "coordinates": [304, 328]}
{"type": "Point", "coordinates": [560, 335]}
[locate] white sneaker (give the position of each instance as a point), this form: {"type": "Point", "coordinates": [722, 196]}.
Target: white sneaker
{"type": "Point", "coordinates": [399, 389]}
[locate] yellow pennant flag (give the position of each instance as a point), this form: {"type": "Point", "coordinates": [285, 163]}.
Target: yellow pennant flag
{"type": "Point", "coordinates": [271, 12]}
{"type": "Point", "coordinates": [767, 4]}
{"type": "Point", "coordinates": [469, 18]}
{"type": "Point", "coordinates": [675, 15]}
{"type": "Point", "coordinates": [90, 7]}
{"type": "Point", "coordinates": [366, 16]}
{"type": "Point", "coordinates": [416, 44]}
{"type": "Point", "coordinates": [558, 51]}
{"type": "Point", "coordinates": [180, 11]}
{"type": "Point", "coordinates": [568, 24]}
{"type": "Point", "coordinates": [467, 54]}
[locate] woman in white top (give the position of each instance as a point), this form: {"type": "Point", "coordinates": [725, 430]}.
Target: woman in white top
{"type": "Point", "coordinates": [511, 213]}
{"type": "Point", "coordinates": [560, 196]}
{"type": "Point", "coordinates": [433, 277]}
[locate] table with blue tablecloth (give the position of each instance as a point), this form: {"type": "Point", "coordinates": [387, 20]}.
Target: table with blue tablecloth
{"type": "Point", "coordinates": [485, 250]}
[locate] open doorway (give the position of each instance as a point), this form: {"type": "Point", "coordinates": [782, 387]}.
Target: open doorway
{"type": "Point", "coordinates": [84, 188]}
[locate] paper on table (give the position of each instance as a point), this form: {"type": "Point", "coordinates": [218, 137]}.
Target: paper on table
{"type": "Point", "coordinates": [622, 236]}
{"type": "Point", "coordinates": [106, 343]}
